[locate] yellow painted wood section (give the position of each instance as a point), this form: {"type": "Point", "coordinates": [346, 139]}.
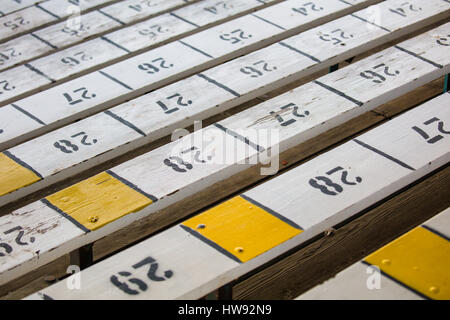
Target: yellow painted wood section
{"type": "Point", "coordinates": [419, 259]}
{"type": "Point", "coordinates": [99, 200]}
{"type": "Point", "coordinates": [13, 176]}
{"type": "Point", "coordinates": [242, 228]}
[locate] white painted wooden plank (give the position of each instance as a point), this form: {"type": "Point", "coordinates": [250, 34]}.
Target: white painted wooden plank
{"type": "Point", "coordinates": [157, 65]}
{"type": "Point", "coordinates": [404, 72]}
{"type": "Point", "coordinates": [287, 14]}
{"type": "Point", "coordinates": [391, 15]}
{"type": "Point", "coordinates": [102, 132]}
{"type": "Point", "coordinates": [79, 28]}
{"type": "Point", "coordinates": [206, 12]}
{"type": "Point", "coordinates": [67, 8]}
{"type": "Point", "coordinates": [127, 67]}
{"type": "Point", "coordinates": [62, 34]}
{"type": "Point", "coordinates": [42, 222]}
{"type": "Point", "coordinates": [72, 97]}
{"type": "Point", "coordinates": [441, 38]}
{"type": "Point", "coordinates": [440, 223]}
{"type": "Point", "coordinates": [149, 32]}
{"type": "Point", "coordinates": [301, 26]}
{"type": "Point", "coordinates": [24, 20]}
{"type": "Point", "coordinates": [354, 280]}
{"type": "Point", "coordinates": [16, 81]}
{"type": "Point", "coordinates": [363, 282]}
{"type": "Point", "coordinates": [43, 13]}
{"type": "Point", "coordinates": [21, 49]}
{"type": "Point", "coordinates": [132, 10]}
{"type": "Point", "coordinates": [86, 55]}
{"type": "Point", "coordinates": [10, 6]}
{"type": "Point", "coordinates": [149, 119]}
{"type": "Point", "coordinates": [365, 175]}
{"type": "Point", "coordinates": [319, 110]}
{"type": "Point", "coordinates": [71, 61]}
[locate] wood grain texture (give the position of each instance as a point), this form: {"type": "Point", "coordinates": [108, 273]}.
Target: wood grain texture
{"type": "Point", "coordinates": [142, 229]}
{"type": "Point", "coordinates": [141, 172]}
{"type": "Point", "coordinates": [321, 260]}
{"type": "Point", "coordinates": [113, 139]}
{"type": "Point", "coordinates": [40, 14]}
{"type": "Point", "coordinates": [413, 266]}
{"type": "Point", "coordinates": [78, 28]}
{"type": "Point", "coordinates": [314, 218]}
{"type": "Point", "coordinates": [258, 40]}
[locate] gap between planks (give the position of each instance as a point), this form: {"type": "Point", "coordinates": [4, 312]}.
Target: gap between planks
{"type": "Point", "coordinates": [38, 27]}
{"type": "Point", "coordinates": [324, 258]}
{"type": "Point", "coordinates": [132, 53]}
{"type": "Point", "coordinates": [142, 229]}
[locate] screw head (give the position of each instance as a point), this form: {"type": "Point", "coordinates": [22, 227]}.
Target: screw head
{"type": "Point", "coordinates": [93, 219]}
{"type": "Point", "coordinates": [239, 249]}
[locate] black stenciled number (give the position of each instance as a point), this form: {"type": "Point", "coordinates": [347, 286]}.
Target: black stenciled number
{"type": "Point", "coordinates": [235, 36]}
{"type": "Point", "coordinates": [145, 3]}
{"type": "Point", "coordinates": [5, 86]}
{"type": "Point", "coordinates": [19, 240]}
{"type": "Point", "coordinates": [155, 66]}
{"type": "Point", "coordinates": [152, 31]}
{"type": "Point", "coordinates": [78, 32]}
{"type": "Point", "coordinates": [78, 96]}
{"type": "Point", "coordinates": [8, 54]}
{"type": "Point", "coordinates": [218, 6]}
{"type": "Point", "coordinates": [328, 186]}
{"type": "Point", "coordinates": [444, 41]}
{"type": "Point", "coordinates": [379, 77]}
{"type": "Point", "coordinates": [440, 128]}
{"type": "Point", "coordinates": [404, 8]}
{"type": "Point", "coordinates": [179, 101]}
{"type": "Point", "coordinates": [294, 111]}
{"type": "Point", "coordinates": [178, 164]}
{"type": "Point", "coordinates": [258, 69]}
{"type": "Point", "coordinates": [68, 146]}
{"type": "Point", "coordinates": [306, 7]}
{"type": "Point", "coordinates": [337, 37]}
{"type": "Point", "coordinates": [16, 23]}
{"type": "Point", "coordinates": [76, 59]}
{"type": "Point", "coordinates": [197, 154]}
{"type": "Point", "coordinates": [139, 284]}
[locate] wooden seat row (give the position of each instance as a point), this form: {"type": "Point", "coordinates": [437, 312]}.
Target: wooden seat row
{"type": "Point", "coordinates": [20, 16]}
{"type": "Point", "coordinates": [414, 266]}
{"type": "Point", "coordinates": [143, 186]}
{"type": "Point", "coordinates": [192, 208]}
{"type": "Point", "coordinates": [213, 248]}
{"type": "Point", "coordinates": [111, 30]}
{"type": "Point", "coordinates": [255, 33]}
{"type": "Point", "coordinates": [101, 137]}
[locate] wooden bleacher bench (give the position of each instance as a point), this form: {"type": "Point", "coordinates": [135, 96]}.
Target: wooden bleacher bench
{"type": "Point", "coordinates": [414, 266]}
{"type": "Point", "coordinates": [209, 250]}
{"type": "Point", "coordinates": [210, 64]}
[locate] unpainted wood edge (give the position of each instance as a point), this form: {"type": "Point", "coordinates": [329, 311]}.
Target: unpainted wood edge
{"type": "Point", "coordinates": [323, 259]}
{"type": "Point", "coordinates": [165, 218]}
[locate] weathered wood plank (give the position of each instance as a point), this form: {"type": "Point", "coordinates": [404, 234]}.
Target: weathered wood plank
{"type": "Point", "coordinates": [39, 14]}
{"type": "Point", "coordinates": [143, 228]}
{"type": "Point", "coordinates": [170, 68]}
{"type": "Point", "coordinates": [365, 174]}
{"type": "Point", "coordinates": [136, 38]}
{"type": "Point", "coordinates": [322, 259]}
{"type": "Point", "coordinates": [412, 267]}
{"type": "Point", "coordinates": [269, 34]}
{"type": "Point", "coordinates": [308, 125]}
{"type": "Point", "coordinates": [104, 136]}
{"type": "Point", "coordinates": [79, 28]}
